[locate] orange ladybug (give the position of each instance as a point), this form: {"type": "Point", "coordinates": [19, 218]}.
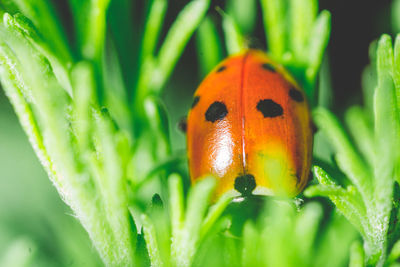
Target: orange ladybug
{"type": "Point", "coordinates": [250, 127]}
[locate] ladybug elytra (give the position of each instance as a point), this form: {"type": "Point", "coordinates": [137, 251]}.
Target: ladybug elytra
{"type": "Point", "coordinates": [250, 127]}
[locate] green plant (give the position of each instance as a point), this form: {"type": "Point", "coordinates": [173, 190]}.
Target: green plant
{"type": "Point", "coordinates": [369, 198]}
{"type": "Point", "coordinates": [94, 114]}
{"type": "Point", "coordinates": [290, 42]}
{"type": "Point", "coordinates": [77, 114]}
{"type": "Point", "coordinates": [280, 236]}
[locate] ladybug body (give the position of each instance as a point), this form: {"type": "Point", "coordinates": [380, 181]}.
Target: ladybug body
{"type": "Point", "coordinates": [249, 126]}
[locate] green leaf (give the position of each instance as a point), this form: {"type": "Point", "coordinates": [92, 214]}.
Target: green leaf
{"type": "Point", "coordinates": [123, 33]}
{"type": "Point", "coordinates": [297, 38]}
{"type": "Point", "coordinates": [387, 137]}
{"type": "Point", "coordinates": [90, 22]}
{"type": "Point", "coordinates": [197, 204]}
{"type": "Point", "coordinates": [244, 13]}
{"type": "Point", "coordinates": [306, 228]}
{"type": "Point", "coordinates": [176, 204]}
{"type": "Point", "coordinates": [151, 241]}
{"type": "Point", "coordinates": [347, 157]}
{"type": "Point", "coordinates": [396, 70]}
{"type": "Point", "coordinates": [80, 14]}
{"type": "Point", "coordinates": [274, 14]}
{"type": "Point", "coordinates": [142, 89]}
{"type": "Point", "coordinates": [251, 245]}
{"type": "Point", "coordinates": [347, 201]}
{"type": "Point", "coordinates": [325, 91]}
{"type": "Point", "coordinates": [158, 120]}
{"type": "Point", "coordinates": [233, 37]}
{"type": "Point", "coordinates": [394, 227]}
{"type": "Point", "coordinates": [361, 131]}
{"type": "Point", "coordinates": [396, 79]}
{"type": "Point", "coordinates": [152, 29]}
{"type": "Point", "coordinates": [186, 228]}
{"type": "Point", "coordinates": [386, 126]}
{"type": "Point", "coordinates": [215, 213]}
{"type": "Point", "coordinates": [302, 16]}
{"type": "Point", "coordinates": [394, 254]}
{"type": "Point", "coordinates": [13, 86]}
{"type": "Point", "coordinates": [109, 177]}
{"type": "Point", "coordinates": [177, 37]}
{"type": "Point", "coordinates": [395, 11]}
{"type": "Point", "coordinates": [59, 64]}
{"type": "Point", "coordinates": [50, 104]}
{"type": "Point", "coordinates": [19, 253]}
{"type": "Point", "coordinates": [369, 81]}
{"type": "Point", "coordinates": [95, 29]}
{"type": "Point", "coordinates": [83, 84]}
{"type": "Point", "coordinates": [45, 19]}
{"type": "Point", "coordinates": [356, 255]}
{"type": "Point", "coordinates": [317, 44]}
{"type": "Point", "coordinates": [209, 46]}
{"type": "Point", "coordinates": [157, 115]}
{"type": "Point", "coordinates": [116, 99]}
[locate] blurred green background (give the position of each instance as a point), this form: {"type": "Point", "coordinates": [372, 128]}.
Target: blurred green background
{"type": "Point", "coordinates": [33, 218]}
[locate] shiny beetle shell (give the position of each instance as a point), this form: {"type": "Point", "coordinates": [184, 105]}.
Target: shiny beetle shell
{"type": "Point", "coordinates": [249, 126]}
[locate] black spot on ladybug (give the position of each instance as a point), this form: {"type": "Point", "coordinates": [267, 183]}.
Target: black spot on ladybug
{"type": "Point", "coordinates": [269, 67]}
{"type": "Point", "coordinates": [196, 100]}
{"type": "Point", "coordinates": [245, 184]}
{"type": "Point", "coordinates": [222, 68]}
{"type": "Point", "coordinates": [269, 108]}
{"type": "Point", "coordinates": [216, 111]}
{"type": "Point", "coordinates": [296, 95]}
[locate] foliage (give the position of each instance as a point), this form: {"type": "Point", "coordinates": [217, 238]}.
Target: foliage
{"type": "Point", "coordinates": [369, 200]}
{"type": "Point", "coordinates": [297, 37]}
{"type": "Point", "coordinates": [93, 112]}
{"type": "Point", "coordinates": [279, 236]}
{"type": "Point", "coordinates": [290, 42]}
{"type": "Point", "coordinates": [77, 115]}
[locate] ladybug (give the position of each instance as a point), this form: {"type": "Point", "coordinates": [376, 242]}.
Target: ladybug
{"type": "Point", "coordinates": [250, 127]}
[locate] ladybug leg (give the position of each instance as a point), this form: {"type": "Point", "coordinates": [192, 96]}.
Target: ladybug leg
{"type": "Point", "coordinates": [314, 128]}
{"type": "Point", "coordinates": [182, 124]}
{"type": "Point", "coordinates": [310, 176]}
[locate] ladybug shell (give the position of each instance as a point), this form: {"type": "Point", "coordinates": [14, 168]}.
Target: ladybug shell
{"type": "Point", "coordinates": [249, 126]}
